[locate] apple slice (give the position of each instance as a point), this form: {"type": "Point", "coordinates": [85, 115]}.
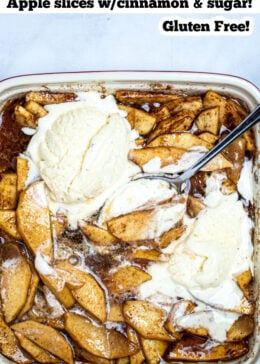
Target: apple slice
{"type": "Point", "coordinates": [33, 218]}
{"type": "Point", "coordinates": [15, 269]}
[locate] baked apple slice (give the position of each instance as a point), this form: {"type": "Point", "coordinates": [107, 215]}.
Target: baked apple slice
{"type": "Point", "coordinates": [15, 280]}
{"type": "Point", "coordinates": [33, 218]}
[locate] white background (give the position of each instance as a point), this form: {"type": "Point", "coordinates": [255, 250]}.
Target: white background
{"type": "Point", "coordinates": [54, 43]}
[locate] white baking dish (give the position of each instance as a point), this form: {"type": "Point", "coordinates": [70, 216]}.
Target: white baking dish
{"type": "Point", "coordinates": [188, 82]}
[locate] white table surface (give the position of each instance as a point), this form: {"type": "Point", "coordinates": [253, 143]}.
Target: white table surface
{"type": "Point", "coordinates": [49, 43]}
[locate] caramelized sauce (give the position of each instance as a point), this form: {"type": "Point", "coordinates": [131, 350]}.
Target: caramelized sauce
{"type": "Point", "coordinates": [12, 140]}
{"type": "Point", "coordinates": [74, 247]}
{"type": "Point", "coordinates": [198, 184]}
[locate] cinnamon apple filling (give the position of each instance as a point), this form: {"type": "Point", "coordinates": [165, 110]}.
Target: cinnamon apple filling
{"type": "Point", "coordinates": [99, 267]}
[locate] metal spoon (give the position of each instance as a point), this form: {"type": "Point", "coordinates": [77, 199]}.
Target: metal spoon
{"type": "Point", "coordinates": [177, 181]}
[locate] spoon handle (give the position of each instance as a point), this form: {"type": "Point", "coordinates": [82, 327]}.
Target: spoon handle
{"type": "Point", "coordinates": [246, 124]}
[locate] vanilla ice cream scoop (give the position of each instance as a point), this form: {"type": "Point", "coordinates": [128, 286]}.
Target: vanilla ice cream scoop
{"type": "Point", "coordinates": [81, 149]}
